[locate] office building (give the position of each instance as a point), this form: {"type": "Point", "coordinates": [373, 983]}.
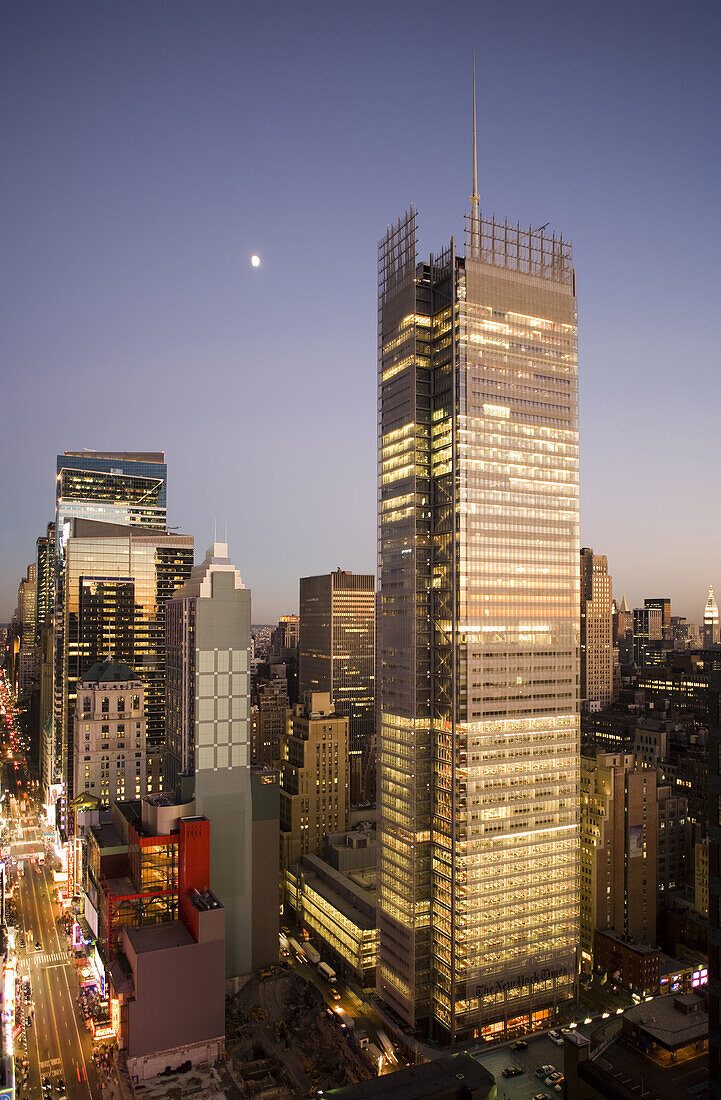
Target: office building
{"type": "Point", "coordinates": [664, 606]}
{"type": "Point", "coordinates": [109, 736]}
{"type": "Point", "coordinates": [27, 662]}
{"type": "Point", "coordinates": [596, 631]}
{"type": "Point", "coordinates": [115, 581]}
{"type": "Point", "coordinates": [208, 753]}
{"type": "Point", "coordinates": [314, 793]}
{"type": "Point", "coordinates": [268, 718]}
{"type": "Point", "coordinates": [44, 580]}
{"type": "Point", "coordinates": [647, 629]}
{"type": "Point", "coordinates": [711, 628]}
{"type": "Point", "coordinates": [337, 655]}
{"type": "Point", "coordinates": [478, 629]}
{"type": "Point", "coordinates": [124, 487]}
{"type": "Point", "coordinates": [619, 830]}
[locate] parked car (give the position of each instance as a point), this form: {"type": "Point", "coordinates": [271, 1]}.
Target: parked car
{"type": "Point", "coordinates": [556, 1037]}
{"type": "Point", "coordinates": [543, 1071]}
{"type": "Point", "coordinates": [520, 1044]}
{"type": "Point", "coordinates": [512, 1071]}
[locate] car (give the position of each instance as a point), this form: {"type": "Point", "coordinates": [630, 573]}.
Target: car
{"type": "Point", "coordinates": [541, 1096]}
{"type": "Point", "coordinates": [543, 1071]}
{"type": "Point", "coordinates": [47, 1086]}
{"type": "Point", "coordinates": [29, 1021]}
{"type": "Point", "coordinates": [512, 1071]}
{"type": "Point", "coordinates": [556, 1037]}
{"type": "Point", "coordinates": [38, 945]}
{"type": "Point", "coordinates": [334, 993]}
{"type": "Point", "coordinates": [60, 1086]}
{"type": "Point", "coordinates": [520, 1044]}
{"type": "Point", "coordinates": [554, 1078]}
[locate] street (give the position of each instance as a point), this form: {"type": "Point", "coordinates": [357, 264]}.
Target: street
{"type": "Point", "coordinates": [59, 1045]}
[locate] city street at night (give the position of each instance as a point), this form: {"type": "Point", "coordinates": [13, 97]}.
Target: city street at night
{"type": "Point", "coordinates": [59, 1046]}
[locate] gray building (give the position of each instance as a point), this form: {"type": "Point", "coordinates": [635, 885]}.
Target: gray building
{"type": "Point", "coordinates": [208, 753]}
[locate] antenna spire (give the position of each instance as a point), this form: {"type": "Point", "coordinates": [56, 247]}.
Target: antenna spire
{"type": "Point", "coordinates": [475, 197]}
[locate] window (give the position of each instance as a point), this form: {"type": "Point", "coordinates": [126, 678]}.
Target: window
{"type": "Point", "coordinates": [86, 703]}
{"type": "Point", "coordinates": [121, 704]}
{"type": "Point", "coordinates": [105, 705]}
{"type": "Point", "coordinates": [136, 702]}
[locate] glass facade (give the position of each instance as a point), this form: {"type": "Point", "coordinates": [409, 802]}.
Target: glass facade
{"type": "Point", "coordinates": [115, 589]}
{"type": "Point", "coordinates": [124, 488]}
{"type": "Point", "coordinates": [337, 655]}
{"type": "Point", "coordinates": [478, 629]}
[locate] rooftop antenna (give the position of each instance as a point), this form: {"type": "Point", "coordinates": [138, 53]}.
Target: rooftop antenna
{"type": "Point", "coordinates": [475, 197]}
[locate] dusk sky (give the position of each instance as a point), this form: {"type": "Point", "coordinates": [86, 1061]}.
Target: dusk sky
{"type": "Point", "coordinates": [149, 149]}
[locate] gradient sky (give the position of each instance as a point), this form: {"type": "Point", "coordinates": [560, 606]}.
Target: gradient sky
{"type": "Point", "coordinates": [148, 149]}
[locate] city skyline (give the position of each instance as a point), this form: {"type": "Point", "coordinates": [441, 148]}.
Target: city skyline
{"type": "Point", "coordinates": [150, 157]}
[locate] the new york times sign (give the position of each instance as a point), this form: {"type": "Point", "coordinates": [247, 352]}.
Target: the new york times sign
{"type": "Point", "coordinates": [505, 985]}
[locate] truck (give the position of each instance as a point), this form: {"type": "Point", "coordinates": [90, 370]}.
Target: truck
{"type": "Point", "coordinates": [327, 972]}
{"type": "Point", "coordinates": [311, 954]}
{"type": "Point", "coordinates": [295, 947]}
{"type": "Point", "coordinates": [374, 1056]}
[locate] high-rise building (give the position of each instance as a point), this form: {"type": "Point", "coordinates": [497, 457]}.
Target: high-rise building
{"type": "Point", "coordinates": [647, 629]}
{"type": "Point", "coordinates": [114, 584]}
{"type": "Point", "coordinates": [27, 667]}
{"type": "Point", "coordinates": [314, 794]}
{"type": "Point", "coordinates": [208, 753]}
{"type": "Point", "coordinates": [478, 629]}
{"type": "Point", "coordinates": [596, 631]}
{"type": "Point", "coordinates": [337, 655]}
{"type": "Point", "coordinates": [663, 604]}
{"type": "Point", "coordinates": [44, 580]}
{"type": "Point", "coordinates": [113, 493]}
{"type": "Point", "coordinates": [619, 832]}
{"type": "Point", "coordinates": [711, 627]}
{"type": "Point", "coordinates": [126, 487]}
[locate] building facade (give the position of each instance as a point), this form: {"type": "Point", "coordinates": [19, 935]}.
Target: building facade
{"type": "Point", "coordinates": [619, 843]}
{"type": "Point", "coordinates": [115, 581]}
{"type": "Point", "coordinates": [314, 790]}
{"type": "Point", "coordinates": [125, 487]}
{"type": "Point", "coordinates": [647, 629]}
{"type": "Point", "coordinates": [109, 737]}
{"type": "Point", "coordinates": [596, 631]}
{"type": "Point", "coordinates": [711, 625]}
{"type": "Point", "coordinates": [478, 629]}
{"type": "Point", "coordinates": [208, 752]}
{"type": "Point", "coordinates": [337, 655]}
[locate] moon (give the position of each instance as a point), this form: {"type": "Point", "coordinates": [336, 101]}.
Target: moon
{"type": "Point", "coordinates": [255, 261]}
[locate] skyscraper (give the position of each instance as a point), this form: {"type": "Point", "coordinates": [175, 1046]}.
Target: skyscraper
{"type": "Point", "coordinates": [337, 655]}
{"type": "Point", "coordinates": [114, 583]}
{"type": "Point", "coordinates": [596, 631]}
{"type": "Point", "coordinates": [208, 753]}
{"type": "Point", "coordinates": [711, 628]}
{"type": "Point", "coordinates": [478, 628]}
{"type": "Point", "coordinates": [127, 487]}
